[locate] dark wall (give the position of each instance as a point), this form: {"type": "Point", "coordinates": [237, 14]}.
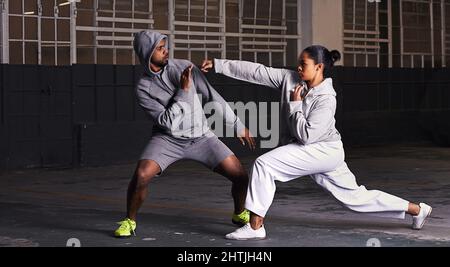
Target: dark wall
{"type": "Point", "coordinates": [391, 105]}
{"type": "Point", "coordinates": [37, 125]}
{"type": "Point", "coordinates": [3, 136]}
{"type": "Point", "coordinates": [87, 114]}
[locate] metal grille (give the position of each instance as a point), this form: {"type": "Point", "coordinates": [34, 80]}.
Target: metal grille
{"type": "Point", "coordinates": [62, 32]}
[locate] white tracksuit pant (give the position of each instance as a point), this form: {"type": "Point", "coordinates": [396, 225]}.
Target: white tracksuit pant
{"type": "Point", "coordinates": [324, 162]}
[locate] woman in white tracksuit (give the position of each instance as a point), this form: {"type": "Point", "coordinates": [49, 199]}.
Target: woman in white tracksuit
{"type": "Point", "coordinates": [311, 145]}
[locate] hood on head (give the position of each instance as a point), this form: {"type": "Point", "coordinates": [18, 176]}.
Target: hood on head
{"type": "Point", "coordinates": [145, 43]}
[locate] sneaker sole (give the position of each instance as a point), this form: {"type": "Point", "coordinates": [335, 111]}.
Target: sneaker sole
{"type": "Point", "coordinates": [247, 239]}
{"type": "Point", "coordinates": [424, 220]}
{"type": "Point", "coordinates": [123, 236]}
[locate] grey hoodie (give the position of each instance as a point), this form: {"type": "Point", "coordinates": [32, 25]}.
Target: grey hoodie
{"type": "Point", "coordinates": [174, 111]}
{"type": "Point", "coordinates": [308, 121]}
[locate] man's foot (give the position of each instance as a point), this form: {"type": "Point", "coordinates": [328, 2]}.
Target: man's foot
{"type": "Point", "coordinates": [241, 219]}
{"type": "Point", "coordinates": [424, 213]}
{"type": "Point", "coordinates": [125, 229]}
{"type": "Point", "coordinates": [247, 233]}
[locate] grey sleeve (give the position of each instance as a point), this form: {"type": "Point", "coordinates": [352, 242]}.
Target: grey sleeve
{"type": "Point", "coordinates": [210, 95]}
{"type": "Point", "coordinates": [251, 72]}
{"type": "Point", "coordinates": [167, 118]}
{"type": "Point", "coordinates": [309, 130]}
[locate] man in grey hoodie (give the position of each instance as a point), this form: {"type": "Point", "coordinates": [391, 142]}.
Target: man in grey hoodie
{"type": "Point", "coordinates": [171, 93]}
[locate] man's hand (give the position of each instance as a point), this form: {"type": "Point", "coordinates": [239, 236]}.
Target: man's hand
{"type": "Point", "coordinates": [207, 65]}
{"type": "Point", "coordinates": [186, 78]}
{"type": "Point", "coordinates": [296, 94]}
{"type": "Point", "coordinates": [246, 137]}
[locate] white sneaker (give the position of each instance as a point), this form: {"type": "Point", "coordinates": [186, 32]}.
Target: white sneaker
{"type": "Point", "coordinates": [247, 233]}
{"type": "Point", "coordinates": [424, 213]}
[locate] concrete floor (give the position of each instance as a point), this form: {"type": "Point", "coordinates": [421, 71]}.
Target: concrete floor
{"type": "Point", "coordinates": [191, 206]}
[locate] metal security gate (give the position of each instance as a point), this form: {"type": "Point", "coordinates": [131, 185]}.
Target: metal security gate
{"type": "Point", "coordinates": [37, 116]}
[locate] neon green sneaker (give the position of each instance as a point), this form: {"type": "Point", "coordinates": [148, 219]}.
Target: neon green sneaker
{"type": "Point", "coordinates": [125, 229]}
{"type": "Point", "coordinates": [241, 219]}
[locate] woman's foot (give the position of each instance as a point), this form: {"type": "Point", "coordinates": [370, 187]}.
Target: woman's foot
{"type": "Point", "coordinates": [246, 232]}
{"type": "Point", "coordinates": [420, 218]}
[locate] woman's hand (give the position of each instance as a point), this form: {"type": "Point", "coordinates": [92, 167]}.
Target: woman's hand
{"type": "Point", "coordinates": [207, 65]}
{"type": "Point", "coordinates": [296, 94]}
{"type": "Point", "coordinates": [186, 78]}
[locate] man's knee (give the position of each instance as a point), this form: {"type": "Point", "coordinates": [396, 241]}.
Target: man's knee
{"type": "Point", "coordinates": [147, 169]}
{"type": "Point", "coordinates": [241, 176]}
{"type": "Point", "coordinates": [232, 168]}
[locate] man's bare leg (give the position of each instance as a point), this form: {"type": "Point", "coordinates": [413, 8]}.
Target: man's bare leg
{"type": "Point", "coordinates": [138, 186]}
{"type": "Point", "coordinates": [232, 169]}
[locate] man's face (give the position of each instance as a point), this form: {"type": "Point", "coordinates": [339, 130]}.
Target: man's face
{"type": "Point", "coordinates": [160, 56]}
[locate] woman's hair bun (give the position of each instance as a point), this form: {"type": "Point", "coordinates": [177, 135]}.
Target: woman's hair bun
{"type": "Point", "coordinates": [335, 56]}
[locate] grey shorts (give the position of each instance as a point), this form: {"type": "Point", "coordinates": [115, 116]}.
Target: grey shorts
{"type": "Point", "coordinates": [165, 150]}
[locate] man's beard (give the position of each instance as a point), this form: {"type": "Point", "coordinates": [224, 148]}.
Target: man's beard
{"type": "Point", "coordinates": [161, 63]}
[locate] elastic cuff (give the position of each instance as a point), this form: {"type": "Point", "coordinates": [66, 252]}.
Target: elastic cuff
{"type": "Point", "coordinates": [182, 94]}
{"type": "Point", "coordinates": [295, 106]}
{"type": "Point", "coordinates": [217, 65]}
{"type": "Point", "coordinates": [259, 212]}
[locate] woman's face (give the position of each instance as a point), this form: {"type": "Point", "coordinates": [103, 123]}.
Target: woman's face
{"type": "Point", "coordinates": [307, 69]}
